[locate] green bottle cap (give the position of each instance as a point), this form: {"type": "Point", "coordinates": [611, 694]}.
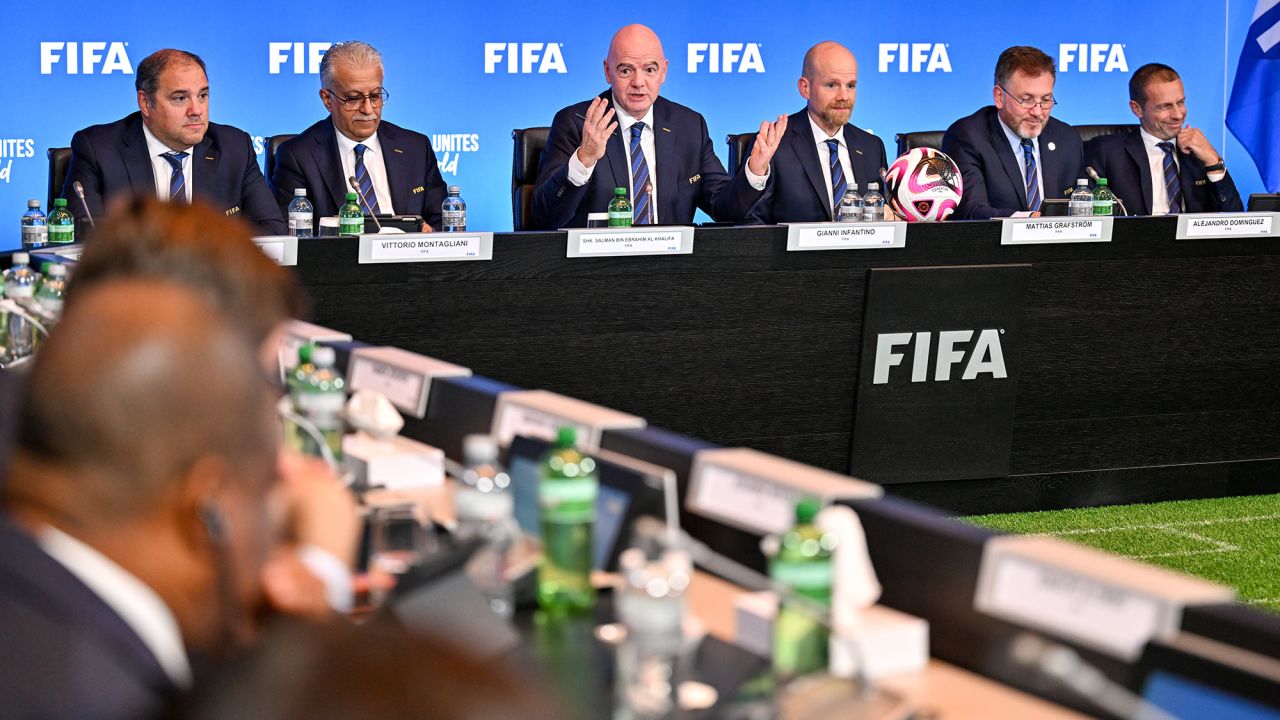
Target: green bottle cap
{"type": "Point", "coordinates": [566, 437]}
{"type": "Point", "coordinates": [351, 197]}
{"type": "Point", "coordinates": [59, 202]}
{"type": "Point", "coordinates": [806, 511]}
{"type": "Point", "coordinates": [620, 192]}
{"type": "Point", "coordinates": [304, 354]}
{"type": "Point", "coordinates": [44, 267]}
{"type": "Point", "coordinates": [1102, 182]}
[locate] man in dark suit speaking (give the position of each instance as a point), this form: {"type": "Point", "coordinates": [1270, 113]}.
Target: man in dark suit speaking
{"type": "Point", "coordinates": [170, 149]}
{"type": "Point", "coordinates": [821, 154]}
{"type": "Point", "coordinates": [1013, 155]}
{"type": "Point", "coordinates": [394, 168]}
{"type": "Point", "coordinates": [1167, 167]}
{"type": "Point", "coordinates": [629, 137]}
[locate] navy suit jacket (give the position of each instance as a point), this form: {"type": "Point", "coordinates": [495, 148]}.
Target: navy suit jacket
{"type": "Point", "coordinates": [311, 161]}
{"type": "Point", "coordinates": [65, 653]}
{"type": "Point", "coordinates": [993, 181]}
{"type": "Point", "coordinates": [1122, 160]}
{"type": "Point", "coordinates": [112, 159]}
{"type": "Point", "coordinates": [797, 191]}
{"type": "Point", "coordinates": [688, 173]}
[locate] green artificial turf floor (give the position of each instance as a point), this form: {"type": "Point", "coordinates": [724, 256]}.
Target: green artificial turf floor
{"type": "Point", "coordinates": [1232, 541]}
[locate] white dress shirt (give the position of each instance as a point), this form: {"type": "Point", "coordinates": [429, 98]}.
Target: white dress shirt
{"type": "Point", "coordinates": [1155, 159]}
{"type": "Point", "coordinates": [138, 605]}
{"type": "Point", "coordinates": [1015, 143]}
{"type": "Point", "coordinates": [161, 170]}
{"type": "Point", "coordinates": [821, 137]}
{"type": "Point", "coordinates": [373, 164]}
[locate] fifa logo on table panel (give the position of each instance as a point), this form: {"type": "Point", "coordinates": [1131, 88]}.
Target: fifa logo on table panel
{"type": "Point", "coordinates": [986, 356]}
{"type": "Point", "coordinates": [1092, 57]}
{"type": "Point", "coordinates": [915, 57]}
{"type": "Point", "coordinates": [524, 58]}
{"type": "Point", "coordinates": [725, 57]}
{"type": "Point", "coordinates": [303, 57]}
{"type": "Point", "coordinates": [85, 58]}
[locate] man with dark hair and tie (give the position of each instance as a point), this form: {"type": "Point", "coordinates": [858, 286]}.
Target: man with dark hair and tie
{"type": "Point", "coordinates": [821, 153]}
{"type": "Point", "coordinates": [394, 168]}
{"type": "Point", "coordinates": [170, 149]}
{"type": "Point", "coordinates": [1167, 166]}
{"type": "Point", "coordinates": [630, 137]}
{"type": "Point", "coordinates": [1013, 155]}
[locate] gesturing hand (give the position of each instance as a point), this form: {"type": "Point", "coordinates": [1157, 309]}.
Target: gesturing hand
{"type": "Point", "coordinates": [767, 141]}
{"type": "Point", "coordinates": [596, 129]}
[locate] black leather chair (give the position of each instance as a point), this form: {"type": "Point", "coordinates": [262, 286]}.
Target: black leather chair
{"type": "Point", "coordinates": [59, 161]}
{"type": "Point", "coordinates": [272, 145]}
{"type": "Point", "coordinates": [529, 143]}
{"type": "Point", "coordinates": [908, 141]}
{"type": "Point", "coordinates": [1264, 202]}
{"type": "Point", "coordinates": [739, 144]}
{"type": "Point", "coordinates": [1089, 132]}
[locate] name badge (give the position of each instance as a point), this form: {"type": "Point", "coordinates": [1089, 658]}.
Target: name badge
{"type": "Point", "coordinates": [297, 333]}
{"type": "Point", "coordinates": [425, 247]}
{"type": "Point", "coordinates": [403, 377]}
{"type": "Point", "coordinates": [283, 249]}
{"type": "Point", "coordinates": [1223, 225]}
{"type": "Point", "coordinates": [540, 414]}
{"type": "Point", "coordinates": [846, 236]}
{"type": "Point", "coordinates": [650, 240]}
{"type": "Point", "coordinates": [1050, 231]}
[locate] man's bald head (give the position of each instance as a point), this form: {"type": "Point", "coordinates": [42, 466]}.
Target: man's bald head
{"type": "Point", "coordinates": [828, 53]}
{"type": "Point", "coordinates": [829, 81]}
{"type": "Point", "coordinates": [635, 68]}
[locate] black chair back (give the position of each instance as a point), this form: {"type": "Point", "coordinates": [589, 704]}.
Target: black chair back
{"type": "Point", "coordinates": [1264, 202]}
{"type": "Point", "coordinates": [739, 148]}
{"type": "Point", "coordinates": [1089, 132]}
{"type": "Point", "coordinates": [59, 161]}
{"type": "Point", "coordinates": [909, 141]}
{"type": "Point", "coordinates": [272, 145]}
{"type": "Point", "coordinates": [529, 144]}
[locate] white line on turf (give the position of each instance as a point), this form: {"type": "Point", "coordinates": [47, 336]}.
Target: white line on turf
{"type": "Point", "coordinates": [1176, 529]}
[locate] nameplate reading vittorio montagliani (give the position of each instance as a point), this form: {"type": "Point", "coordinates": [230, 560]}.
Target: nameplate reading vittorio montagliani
{"type": "Point", "coordinates": [846, 236]}
{"type": "Point", "coordinates": [425, 247]}
{"type": "Point", "coordinates": [1221, 225]}
{"type": "Point", "coordinates": [1048, 231]}
{"type": "Point", "coordinates": [605, 242]}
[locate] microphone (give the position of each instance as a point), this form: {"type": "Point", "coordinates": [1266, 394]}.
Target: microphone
{"type": "Point", "coordinates": [80, 194]}
{"type": "Point", "coordinates": [351, 180]}
{"type": "Point", "coordinates": [1063, 665]}
{"type": "Point", "coordinates": [1094, 174]}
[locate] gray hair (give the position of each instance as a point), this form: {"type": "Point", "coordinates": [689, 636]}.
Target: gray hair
{"type": "Point", "coordinates": [353, 53]}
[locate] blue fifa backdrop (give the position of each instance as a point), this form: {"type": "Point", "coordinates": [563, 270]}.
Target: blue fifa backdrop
{"type": "Point", "coordinates": [467, 77]}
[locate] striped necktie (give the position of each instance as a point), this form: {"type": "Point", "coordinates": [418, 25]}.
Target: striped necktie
{"type": "Point", "coordinates": [641, 188]}
{"type": "Point", "coordinates": [364, 182]}
{"type": "Point", "coordinates": [1172, 184]}
{"type": "Point", "coordinates": [177, 181]}
{"type": "Point", "coordinates": [1033, 178]}
{"type": "Point", "coordinates": [838, 182]}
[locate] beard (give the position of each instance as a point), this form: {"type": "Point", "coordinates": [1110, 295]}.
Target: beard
{"type": "Point", "coordinates": [835, 117]}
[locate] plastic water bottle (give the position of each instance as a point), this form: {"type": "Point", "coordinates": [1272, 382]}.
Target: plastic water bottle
{"type": "Point", "coordinates": [567, 490]}
{"type": "Point", "coordinates": [455, 211]}
{"type": "Point", "coordinates": [350, 217]}
{"type": "Point", "coordinates": [651, 604]}
{"type": "Point", "coordinates": [20, 282]}
{"type": "Point", "coordinates": [320, 400]}
{"type": "Point", "coordinates": [297, 379]}
{"type": "Point", "coordinates": [850, 205]}
{"type": "Point", "coordinates": [301, 212]}
{"type": "Point", "coordinates": [35, 231]}
{"type": "Point", "coordinates": [52, 291]}
{"type": "Point", "coordinates": [1081, 202]}
{"type": "Point", "coordinates": [802, 563]}
{"type": "Point", "coordinates": [62, 224]}
{"type": "Point", "coordinates": [873, 204]}
{"type": "Point", "coordinates": [1103, 199]}
{"type": "Point", "coordinates": [486, 510]}
{"type": "Point", "coordinates": [620, 209]}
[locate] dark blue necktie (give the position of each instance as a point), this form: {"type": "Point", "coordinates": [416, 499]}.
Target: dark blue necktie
{"type": "Point", "coordinates": [364, 182]}
{"type": "Point", "coordinates": [177, 181]}
{"type": "Point", "coordinates": [1033, 179]}
{"type": "Point", "coordinates": [838, 183]}
{"type": "Point", "coordinates": [641, 188]}
{"type": "Point", "coordinates": [1171, 182]}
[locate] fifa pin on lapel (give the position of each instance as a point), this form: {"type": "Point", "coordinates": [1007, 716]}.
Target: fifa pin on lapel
{"type": "Point", "coordinates": [1052, 147]}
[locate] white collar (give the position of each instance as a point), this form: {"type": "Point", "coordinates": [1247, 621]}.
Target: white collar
{"type": "Point", "coordinates": [347, 146]}
{"type": "Point", "coordinates": [1151, 141]}
{"type": "Point", "coordinates": [155, 147]}
{"type": "Point", "coordinates": [821, 135]}
{"type": "Point", "coordinates": [137, 605]}
{"type": "Point", "coordinates": [625, 121]}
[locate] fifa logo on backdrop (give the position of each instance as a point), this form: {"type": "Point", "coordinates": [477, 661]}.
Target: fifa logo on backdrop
{"type": "Point", "coordinates": [915, 57]}
{"type": "Point", "coordinates": [303, 56]}
{"type": "Point", "coordinates": [726, 57]}
{"type": "Point", "coordinates": [523, 58]}
{"type": "Point", "coordinates": [1092, 57]}
{"type": "Point", "coordinates": [986, 355]}
{"type": "Point", "coordinates": [85, 58]}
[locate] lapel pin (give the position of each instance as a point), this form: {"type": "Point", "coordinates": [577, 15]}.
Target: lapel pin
{"type": "Point", "coordinates": [1052, 147]}
{"type": "Point", "coordinates": [208, 157]}
{"type": "Point", "coordinates": [666, 129]}
{"type": "Point", "coordinates": [397, 150]}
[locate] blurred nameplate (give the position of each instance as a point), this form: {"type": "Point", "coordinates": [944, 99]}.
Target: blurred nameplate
{"type": "Point", "coordinates": [297, 333]}
{"type": "Point", "coordinates": [643, 240]}
{"type": "Point", "coordinates": [402, 376]}
{"type": "Point", "coordinates": [757, 492]}
{"type": "Point", "coordinates": [1102, 601]}
{"type": "Point", "coordinates": [846, 236]}
{"type": "Point", "coordinates": [283, 249]}
{"type": "Point", "coordinates": [540, 414]}
{"type": "Point", "coordinates": [1050, 231]}
{"type": "Point", "coordinates": [425, 247]}
{"type": "Point", "coordinates": [1227, 225]}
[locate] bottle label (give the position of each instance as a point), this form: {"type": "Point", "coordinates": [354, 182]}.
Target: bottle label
{"type": "Point", "coordinates": [51, 305]}
{"type": "Point", "coordinates": [320, 404]}
{"type": "Point", "coordinates": [455, 219]}
{"type": "Point", "coordinates": [18, 292]}
{"type": "Point", "coordinates": [351, 226]}
{"type": "Point", "coordinates": [62, 233]}
{"type": "Point", "coordinates": [1102, 207]}
{"type": "Point", "coordinates": [300, 221]}
{"type": "Point", "coordinates": [578, 493]}
{"type": "Point", "coordinates": [35, 234]}
{"type": "Point", "coordinates": [804, 577]}
{"type": "Point", "coordinates": [619, 218]}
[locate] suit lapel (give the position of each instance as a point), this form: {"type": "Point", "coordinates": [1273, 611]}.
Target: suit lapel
{"type": "Point", "coordinates": [1137, 151]}
{"type": "Point", "coordinates": [137, 160]}
{"type": "Point", "coordinates": [668, 168]}
{"type": "Point", "coordinates": [806, 150]}
{"type": "Point", "coordinates": [394, 161]}
{"type": "Point", "coordinates": [204, 168]}
{"type": "Point", "coordinates": [327, 157]}
{"type": "Point", "coordinates": [1012, 167]}
{"type": "Point", "coordinates": [858, 161]}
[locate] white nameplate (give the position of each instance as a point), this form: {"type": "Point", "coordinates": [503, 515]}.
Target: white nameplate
{"type": "Point", "coordinates": [402, 376]}
{"type": "Point", "coordinates": [1102, 601]}
{"type": "Point", "coordinates": [1053, 230]}
{"type": "Point", "coordinates": [540, 414]}
{"type": "Point", "coordinates": [1226, 225]}
{"type": "Point", "coordinates": [297, 333]}
{"type": "Point", "coordinates": [283, 249]}
{"type": "Point", "coordinates": [649, 240]}
{"type": "Point", "coordinates": [846, 236]}
{"type": "Point", "coordinates": [425, 247]}
{"type": "Point", "coordinates": [757, 492]}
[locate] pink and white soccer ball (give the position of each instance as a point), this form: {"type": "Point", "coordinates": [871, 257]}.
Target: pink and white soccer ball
{"type": "Point", "coordinates": [923, 186]}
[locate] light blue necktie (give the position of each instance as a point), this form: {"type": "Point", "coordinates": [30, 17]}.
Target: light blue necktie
{"type": "Point", "coordinates": [1171, 182]}
{"type": "Point", "coordinates": [177, 181]}
{"type": "Point", "coordinates": [364, 182]}
{"type": "Point", "coordinates": [1033, 179]}
{"type": "Point", "coordinates": [642, 211]}
{"type": "Point", "coordinates": [838, 183]}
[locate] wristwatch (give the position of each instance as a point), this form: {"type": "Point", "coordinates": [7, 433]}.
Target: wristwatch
{"type": "Point", "coordinates": [1219, 166]}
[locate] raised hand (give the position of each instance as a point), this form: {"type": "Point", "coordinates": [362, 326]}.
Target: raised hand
{"type": "Point", "coordinates": [596, 129]}
{"type": "Point", "coordinates": [767, 142]}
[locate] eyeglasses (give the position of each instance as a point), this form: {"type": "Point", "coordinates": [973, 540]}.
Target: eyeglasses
{"type": "Point", "coordinates": [1028, 104]}
{"type": "Point", "coordinates": [354, 102]}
